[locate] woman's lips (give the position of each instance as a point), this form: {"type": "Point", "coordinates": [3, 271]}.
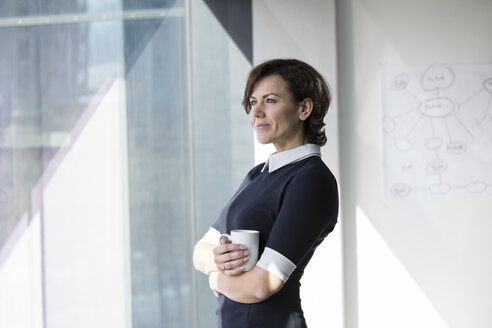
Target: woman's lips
{"type": "Point", "coordinates": [260, 126]}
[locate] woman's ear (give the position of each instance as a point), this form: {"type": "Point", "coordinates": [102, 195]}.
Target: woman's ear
{"type": "Point", "coordinates": [305, 109]}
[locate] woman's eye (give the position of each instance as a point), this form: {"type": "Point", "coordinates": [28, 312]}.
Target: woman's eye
{"type": "Point", "coordinates": [270, 100]}
{"type": "Point", "coordinates": [252, 102]}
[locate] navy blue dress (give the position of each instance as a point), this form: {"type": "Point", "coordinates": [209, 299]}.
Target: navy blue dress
{"type": "Point", "coordinates": [294, 208]}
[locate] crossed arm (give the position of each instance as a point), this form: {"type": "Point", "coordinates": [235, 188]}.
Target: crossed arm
{"type": "Point", "coordinates": [223, 264]}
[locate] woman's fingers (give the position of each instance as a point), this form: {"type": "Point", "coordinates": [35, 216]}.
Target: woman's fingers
{"type": "Point", "coordinates": [227, 248]}
{"type": "Point", "coordinates": [230, 258]}
{"type": "Point", "coordinates": [233, 268]}
{"type": "Point", "coordinates": [231, 265]}
{"type": "Point", "coordinates": [234, 272]}
{"type": "Point", "coordinates": [224, 240]}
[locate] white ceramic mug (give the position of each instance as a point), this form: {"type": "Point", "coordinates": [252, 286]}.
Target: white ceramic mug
{"type": "Point", "coordinates": [249, 239]}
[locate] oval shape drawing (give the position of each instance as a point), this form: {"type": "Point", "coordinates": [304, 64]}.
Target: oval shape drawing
{"type": "Point", "coordinates": [437, 77]}
{"type": "Point", "coordinates": [437, 107]}
{"type": "Point", "coordinates": [476, 186]}
{"type": "Point", "coordinates": [487, 85]}
{"type": "Point", "coordinates": [388, 125]}
{"type": "Point", "coordinates": [400, 190]}
{"type": "Point", "coordinates": [437, 166]}
{"type": "Point", "coordinates": [433, 143]}
{"type": "Point", "coordinates": [456, 147]}
{"type": "Point", "coordinates": [403, 144]}
{"type": "Point", "coordinates": [400, 82]}
{"type": "Point", "coordinates": [440, 188]}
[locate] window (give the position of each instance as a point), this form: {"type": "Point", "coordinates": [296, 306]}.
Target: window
{"type": "Point", "coordinates": [121, 137]}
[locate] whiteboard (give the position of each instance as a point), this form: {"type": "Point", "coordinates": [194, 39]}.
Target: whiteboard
{"type": "Point", "coordinates": [437, 132]}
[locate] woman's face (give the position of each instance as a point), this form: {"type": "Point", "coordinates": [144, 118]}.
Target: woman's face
{"type": "Point", "coordinates": [275, 116]}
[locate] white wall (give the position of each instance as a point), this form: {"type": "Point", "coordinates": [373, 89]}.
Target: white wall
{"type": "Point", "coordinates": [305, 30]}
{"type": "Point", "coordinates": [408, 264]}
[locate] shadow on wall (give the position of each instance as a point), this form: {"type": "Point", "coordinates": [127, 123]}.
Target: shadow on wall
{"type": "Point", "coordinates": [414, 258]}
{"type": "Point", "coordinates": [236, 18]}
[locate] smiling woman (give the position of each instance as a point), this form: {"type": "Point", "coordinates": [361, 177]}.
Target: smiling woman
{"type": "Point", "coordinates": [292, 200]}
{"type": "Point", "coordinates": [276, 117]}
{"type": "Point", "coordinates": [299, 82]}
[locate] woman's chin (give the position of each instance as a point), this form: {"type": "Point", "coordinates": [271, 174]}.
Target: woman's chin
{"type": "Point", "coordinates": [263, 141]}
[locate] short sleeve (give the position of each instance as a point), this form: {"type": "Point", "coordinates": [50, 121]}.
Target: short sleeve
{"type": "Point", "coordinates": [308, 213]}
{"type": "Point", "coordinates": [212, 236]}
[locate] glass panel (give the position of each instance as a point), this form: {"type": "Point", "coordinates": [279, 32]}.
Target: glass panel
{"type": "Point", "coordinates": [222, 133]}
{"type": "Point", "coordinates": [57, 85]}
{"type": "Point", "coordinates": [49, 76]}
{"type": "Point", "coordinates": [158, 163]}
{"type": "Point", "coordinates": [108, 174]}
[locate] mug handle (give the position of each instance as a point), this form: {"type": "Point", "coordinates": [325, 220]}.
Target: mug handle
{"type": "Point", "coordinates": [225, 235]}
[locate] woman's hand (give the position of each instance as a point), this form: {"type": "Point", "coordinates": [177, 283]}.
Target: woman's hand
{"type": "Point", "coordinates": [230, 258]}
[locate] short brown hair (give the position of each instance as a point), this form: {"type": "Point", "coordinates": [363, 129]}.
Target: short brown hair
{"type": "Point", "coordinates": [303, 82]}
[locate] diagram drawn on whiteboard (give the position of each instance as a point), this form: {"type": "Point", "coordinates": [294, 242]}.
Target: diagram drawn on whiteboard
{"type": "Point", "coordinates": [437, 131]}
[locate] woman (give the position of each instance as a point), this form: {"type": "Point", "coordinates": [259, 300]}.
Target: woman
{"type": "Point", "coordinates": [292, 199]}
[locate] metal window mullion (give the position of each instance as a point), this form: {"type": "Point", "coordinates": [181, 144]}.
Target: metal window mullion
{"type": "Point", "coordinates": [90, 17]}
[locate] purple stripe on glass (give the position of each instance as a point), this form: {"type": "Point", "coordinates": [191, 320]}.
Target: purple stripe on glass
{"type": "Point", "coordinates": [37, 190]}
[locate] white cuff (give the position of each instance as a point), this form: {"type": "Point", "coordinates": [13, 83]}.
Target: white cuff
{"type": "Point", "coordinates": [212, 236]}
{"type": "Point", "coordinates": [277, 264]}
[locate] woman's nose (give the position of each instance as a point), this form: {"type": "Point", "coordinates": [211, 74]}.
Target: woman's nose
{"type": "Point", "coordinates": [257, 110]}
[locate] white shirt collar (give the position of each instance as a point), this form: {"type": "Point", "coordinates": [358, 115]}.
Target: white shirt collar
{"type": "Point", "coordinates": [278, 160]}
